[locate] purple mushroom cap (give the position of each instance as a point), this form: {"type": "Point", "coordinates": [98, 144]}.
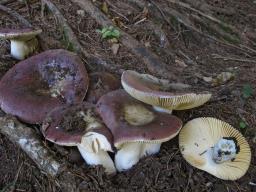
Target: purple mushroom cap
{"type": "Point", "coordinates": [140, 124]}
{"type": "Point", "coordinates": [35, 86]}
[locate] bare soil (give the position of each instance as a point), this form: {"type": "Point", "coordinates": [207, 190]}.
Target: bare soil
{"type": "Point", "coordinates": [194, 57]}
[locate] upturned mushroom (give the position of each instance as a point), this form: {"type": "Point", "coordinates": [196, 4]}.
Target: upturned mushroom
{"type": "Point", "coordinates": [79, 125]}
{"type": "Point", "coordinates": [137, 129]}
{"type": "Point", "coordinates": [151, 90]}
{"type": "Point", "coordinates": [216, 147]}
{"type": "Point", "coordinates": [35, 86]}
{"type": "Point", "coordinates": [23, 41]}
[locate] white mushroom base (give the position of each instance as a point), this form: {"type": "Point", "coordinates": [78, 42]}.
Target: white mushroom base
{"type": "Point", "coordinates": [130, 154]}
{"type": "Point", "coordinates": [21, 49]}
{"type": "Point", "coordinates": [99, 158]}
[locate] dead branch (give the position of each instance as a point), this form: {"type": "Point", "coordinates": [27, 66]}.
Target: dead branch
{"type": "Point", "coordinates": [151, 60]}
{"type": "Point", "coordinates": [28, 140]}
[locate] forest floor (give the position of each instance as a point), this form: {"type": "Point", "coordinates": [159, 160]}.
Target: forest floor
{"type": "Point", "coordinates": [197, 58]}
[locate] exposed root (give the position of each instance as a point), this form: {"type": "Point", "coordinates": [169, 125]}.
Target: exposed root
{"type": "Point", "coordinates": [151, 60]}
{"type": "Point", "coordinates": [72, 40]}
{"type": "Point", "coordinates": [184, 20]}
{"type": "Point", "coordinates": [15, 15]}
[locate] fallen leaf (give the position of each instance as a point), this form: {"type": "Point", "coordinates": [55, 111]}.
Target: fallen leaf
{"type": "Point", "coordinates": [115, 47]}
{"type": "Point", "coordinates": [180, 63]}
{"type": "Point", "coordinates": [104, 7]}
{"type": "Point", "coordinates": [222, 78]}
{"type": "Point", "coordinates": [207, 79]}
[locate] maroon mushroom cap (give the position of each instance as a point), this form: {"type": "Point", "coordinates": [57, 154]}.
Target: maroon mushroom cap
{"type": "Point", "coordinates": [133, 121]}
{"type": "Point", "coordinates": [35, 86]}
{"type": "Point", "coordinates": [101, 83]}
{"type": "Point", "coordinates": [26, 33]}
{"type": "Point", "coordinates": [66, 125]}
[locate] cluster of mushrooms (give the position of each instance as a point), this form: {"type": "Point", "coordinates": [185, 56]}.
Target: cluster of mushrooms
{"type": "Point", "coordinates": [49, 89]}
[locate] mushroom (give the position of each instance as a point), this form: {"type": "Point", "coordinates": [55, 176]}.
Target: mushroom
{"type": "Point", "coordinates": [101, 83]}
{"type": "Point", "coordinates": [79, 125]}
{"type": "Point", "coordinates": [137, 129]}
{"type": "Point", "coordinates": [148, 89]}
{"type": "Point", "coordinates": [216, 147]}
{"type": "Point", "coordinates": [23, 41]}
{"type": "Point", "coordinates": [35, 86]}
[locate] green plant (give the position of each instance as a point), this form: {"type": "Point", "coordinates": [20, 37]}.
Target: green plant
{"type": "Point", "coordinates": [109, 32]}
{"type": "Point", "coordinates": [247, 91]}
{"type": "Point", "coordinates": [242, 125]}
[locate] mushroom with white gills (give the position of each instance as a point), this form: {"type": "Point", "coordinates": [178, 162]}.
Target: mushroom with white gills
{"type": "Point", "coordinates": [216, 147]}
{"type": "Point", "coordinates": [35, 86]}
{"type": "Point", "coordinates": [23, 41]}
{"type": "Point", "coordinates": [151, 90]}
{"type": "Point", "coordinates": [138, 129]}
{"type": "Point", "coordinates": [79, 125]}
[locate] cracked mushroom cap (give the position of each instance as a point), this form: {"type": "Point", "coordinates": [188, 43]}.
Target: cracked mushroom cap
{"type": "Point", "coordinates": [76, 124]}
{"type": "Point", "coordinates": [133, 121]}
{"type": "Point", "coordinates": [147, 89]}
{"type": "Point", "coordinates": [19, 34]}
{"type": "Point", "coordinates": [35, 86]}
{"type": "Point", "coordinates": [197, 140]}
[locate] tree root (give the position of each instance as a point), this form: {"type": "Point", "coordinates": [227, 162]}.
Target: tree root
{"type": "Point", "coordinates": [15, 15]}
{"type": "Point", "coordinates": [72, 40]}
{"type": "Point", "coordinates": [184, 20]}
{"type": "Point", "coordinates": [152, 61]}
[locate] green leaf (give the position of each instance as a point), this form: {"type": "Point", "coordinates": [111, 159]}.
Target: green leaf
{"type": "Point", "coordinates": [247, 91]}
{"type": "Point", "coordinates": [242, 125]}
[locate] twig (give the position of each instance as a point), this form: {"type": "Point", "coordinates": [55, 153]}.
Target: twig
{"type": "Point", "coordinates": [216, 56]}
{"type": "Point", "coordinates": [152, 61]}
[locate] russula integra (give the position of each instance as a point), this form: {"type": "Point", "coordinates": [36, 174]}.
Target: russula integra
{"type": "Point", "coordinates": [78, 125]}
{"type": "Point", "coordinates": [35, 86]}
{"type": "Point", "coordinates": [137, 129]}
{"type": "Point", "coordinates": [101, 83]}
{"type": "Point", "coordinates": [23, 41]}
{"type": "Point", "coordinates": [150, 90]}
{"type": "Point", "coordinates": [216, 147]}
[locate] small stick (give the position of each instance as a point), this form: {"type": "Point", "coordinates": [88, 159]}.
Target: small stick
{"type": "Point", "coordinates": [216, 56]}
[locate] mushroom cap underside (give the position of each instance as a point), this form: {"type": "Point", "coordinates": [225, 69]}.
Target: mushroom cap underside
{"type": "Point", "coordinates": [147, 89]}
{"type": "Point", "coordinates": [199, 135]}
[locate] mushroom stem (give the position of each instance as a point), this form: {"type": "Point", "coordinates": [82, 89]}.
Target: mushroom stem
{"type": "Point", "coordinates": [20, 49]}
{"type": "Point", "coordinates": [225, 149]}
{"type": "Point", "coordinates": [150, 149]}
{"type": "Point", "coordinates": [128, 156]}
{"type": "Point", "coordinates": [162, 110]}
{"type": "Point", "coordinates": [99, 158]}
